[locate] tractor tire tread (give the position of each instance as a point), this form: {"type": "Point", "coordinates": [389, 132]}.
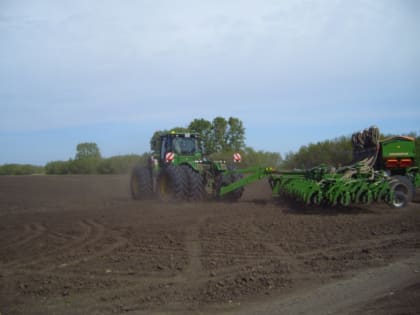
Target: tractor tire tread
{"type": "Point", "coordinates": [141, 183]}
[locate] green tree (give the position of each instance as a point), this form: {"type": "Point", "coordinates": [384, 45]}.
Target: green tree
{"type": "Point", "coordinates": [203, 128]}
{"type": "Point", "coordinates": [218, 138]}
{"type": "Point", "coordinates": [84, 166]}
{"type": "Point", "coordinates": [332, 152]}
{"type": "Point", "coordinates": [250, 157]}
{"type": "Point", "coordinates": [220, 135]}
{"type": "Point", "coordinates": [121, 164]}
{"type": "Point", "coordinates": [235, 135]}
{"type": "Point", "coordinates": [87, 150]}
{"type": "Point", "coordinates": [57, 168]}
{"type": "Point", "coordinates": [87, 159]}
{"type": "Point", "coordinates": [155, 140]}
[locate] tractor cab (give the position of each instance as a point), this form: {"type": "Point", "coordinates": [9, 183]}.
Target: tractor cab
{"type": "Point", "coordinates": [175, 147]}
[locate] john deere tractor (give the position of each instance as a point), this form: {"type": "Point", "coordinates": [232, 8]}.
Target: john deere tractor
{"type": "Point", "coordinates": [180, 171]}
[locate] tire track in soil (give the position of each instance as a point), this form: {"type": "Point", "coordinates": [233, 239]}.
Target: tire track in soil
{"type": "Point", "coordinates": [247, 254]}
{"type": "Point", "coordinates": [382, 245]}
{"type": "Point", "coordinates": [193, 247]}
{"type": "Point", "coordinates": [91, 233]}
{"type": "Point", "coordinates": [195, 271]}
{"type": "Point", "coordinates": [278, 252]}
{"type": "Point", "coordinates": [191, 273]}
{"type": "Point", "coordinates": [192, 278]}
{"type": "Point", "coordinates": [10, 236]}
{"type": "Point", "coordinates": [94, 232]}
{"type": "Point", "coordinates": [346, 296]}
{"type": "Point", "coordinates": [360, 245]}
{"type": "Point", "coordinates": [130, 286]}
{"type": "Point", "coordinates": [119, 242]}
{"type": "Point", "coordinates": [252, 263]}
{"type": "Point", "coordinates": [297, 258]}
{"type": "Point", "coordinates": [62, 237]}
{"type": "Point", "coordinates": [47, 256]}
{"type": "Point", "coordinates": [30, 232]}
{"type": "Point", "coordinates": [153, 287]}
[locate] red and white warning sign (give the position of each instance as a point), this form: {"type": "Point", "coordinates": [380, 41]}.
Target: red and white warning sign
{"type": "Point", "coordinates": [169, 156]}
{"type": "Point", "coordinates": [237, 157]}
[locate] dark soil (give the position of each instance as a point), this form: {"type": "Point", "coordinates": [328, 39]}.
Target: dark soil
{"type": "Point", "coordinates": [80, 245]}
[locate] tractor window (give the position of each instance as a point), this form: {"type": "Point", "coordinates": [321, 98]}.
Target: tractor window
{"type": "Point", "coordinates": [163, 148]}
{"type": "Point", "coordinates": [185, 146]}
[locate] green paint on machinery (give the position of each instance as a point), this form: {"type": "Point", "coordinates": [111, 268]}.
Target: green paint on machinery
{"type": "Point", "coordinates": [180, 171]}
{"type": "Point", "coordinates": [323, 186]}
{"type": "Point", "coordinates": [357, 184]}
{"type": "Point", "coordinates": [382, 171]}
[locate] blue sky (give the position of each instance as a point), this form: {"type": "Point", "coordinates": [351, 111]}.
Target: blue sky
{"type": "Point", "coordinates": [113, 72]}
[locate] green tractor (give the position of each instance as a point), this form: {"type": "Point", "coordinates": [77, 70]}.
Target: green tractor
{"type": "Point", "coordinates": [180, 171]}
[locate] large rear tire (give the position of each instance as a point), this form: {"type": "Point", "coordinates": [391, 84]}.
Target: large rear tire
{"type": "Point", "coordinates": [172, 184]}
{"type": "Point", "coordinates": [196, 190]}
{"type": "Point", "coordinates": [141, 183]}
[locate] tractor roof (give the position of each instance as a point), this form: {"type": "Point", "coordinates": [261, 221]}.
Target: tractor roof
{"type": "Point", "coordinates": [182, 134]}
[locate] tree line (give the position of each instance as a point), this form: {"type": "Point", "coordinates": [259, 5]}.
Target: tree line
{"type": "Point", "coordinates": [335, 152]}
{"type": "Point", "coordinates": [21, 169]}
{"type": "Point", "coordinates": [88, 160]}
{"type": "Point", "coordinates": [221, 138]}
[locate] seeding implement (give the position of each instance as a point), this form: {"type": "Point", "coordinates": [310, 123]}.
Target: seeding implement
{"type": "Point", "coordinates": [381, 171]}
{"type": "Point", "coordinates": [354, 185]}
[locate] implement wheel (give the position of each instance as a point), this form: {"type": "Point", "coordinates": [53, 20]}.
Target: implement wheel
{"type": "Point", "coordinates": [172, 184]}
{"type": "Point", "coordinates": [399, 200]}
{"type": "Point", "coordinates": [141, 184]}
{"type": "Point", "coordinates": [403, 190]}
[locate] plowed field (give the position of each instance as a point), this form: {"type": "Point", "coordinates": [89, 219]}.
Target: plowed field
{"type": "Point", "coordinates": [80, 245]}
